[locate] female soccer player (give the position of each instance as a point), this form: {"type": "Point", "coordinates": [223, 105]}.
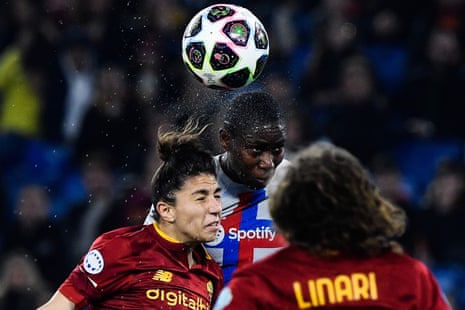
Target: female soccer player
{"type": "Point", "coordinates": [342, 252]}
{"type": "Point", "coordinates": [253, 139]}
{"type": "Point", "coordinates": [163, 265]}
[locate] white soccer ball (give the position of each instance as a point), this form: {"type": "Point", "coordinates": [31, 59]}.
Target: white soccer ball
{"type": "Point", "coordinates": [225, 46]}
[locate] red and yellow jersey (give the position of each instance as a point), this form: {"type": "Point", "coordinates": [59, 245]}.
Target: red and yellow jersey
{"type": "Point", "coordinates": [246, 233]}
{"type": "Point", "coordinates": [293, 279]}
{"type": "Point", "coordinates": [139, 267]}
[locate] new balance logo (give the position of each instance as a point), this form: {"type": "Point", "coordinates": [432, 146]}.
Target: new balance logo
{"type": "Point", "coordinates": [162, 275]}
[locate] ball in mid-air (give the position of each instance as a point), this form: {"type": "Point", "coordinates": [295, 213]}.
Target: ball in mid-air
{"type": "Point", "coordinates": [225, 46]}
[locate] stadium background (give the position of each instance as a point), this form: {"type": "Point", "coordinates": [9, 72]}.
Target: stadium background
{"type": "Point", "coordinates": [85, 84]}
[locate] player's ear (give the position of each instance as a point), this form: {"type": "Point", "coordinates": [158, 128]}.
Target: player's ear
{"type": "Point", "coordinates": [225, 139]}
{"type": "Point", "coordinates": [166, 212]}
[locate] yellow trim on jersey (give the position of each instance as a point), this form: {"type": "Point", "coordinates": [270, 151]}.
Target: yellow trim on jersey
{"type": "Point", "coordinates": [170, 239]}
{"type": "Point", "coordinates": [163, 235]}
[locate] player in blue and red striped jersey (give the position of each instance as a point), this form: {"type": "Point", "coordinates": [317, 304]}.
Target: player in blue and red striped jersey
{"type": "Point", "coordinates": [342, 251]}
{"type": "Point", "coordinates": [253, 137]}
{"type": "Point", "coordinates": [163, 265]}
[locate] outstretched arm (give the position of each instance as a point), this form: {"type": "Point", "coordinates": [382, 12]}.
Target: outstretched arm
{"type": "Point", "coordinates": [58, 302]}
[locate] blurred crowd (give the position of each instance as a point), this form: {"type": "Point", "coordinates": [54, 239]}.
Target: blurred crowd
{"type": "Point", "coordinates": [84, 86]}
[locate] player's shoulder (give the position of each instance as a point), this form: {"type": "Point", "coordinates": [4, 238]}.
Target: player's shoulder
{"type": "Point", "coordinates": [282, 168]}
{"type": "Point", "coordinates": [402, 262]}
{"type": "Point", "coordinates": [284, 165]}
{"type": "Point", "coordinates": [279, 174]}
{"type": "Point", "coordinates": [123, 231]}
{"type": "Point", "coordinates": [408, 262]}
{"type": "Point", "coordinates": [119, 235]}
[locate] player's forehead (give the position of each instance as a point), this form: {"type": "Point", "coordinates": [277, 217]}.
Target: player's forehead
{"type": "Point", "coordinates": [270, 134]}
{"type": "Point", "coordinates": [203, 183]}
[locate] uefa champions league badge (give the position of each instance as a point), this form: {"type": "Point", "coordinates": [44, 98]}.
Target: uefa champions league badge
{"type": "Point", "coordinates": [93, 262]}
{"type": "Point", "coordinates": [219, 237]}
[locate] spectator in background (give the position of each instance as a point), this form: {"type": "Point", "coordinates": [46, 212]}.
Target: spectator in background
{"type": "Point", "coordinates": [386, 46]}
{"type": "Point", "coordinates": [108, 205]}
{"type": "Point", "coordinates": [439, 224]}
{"type": "Point", "coordinates": [431, 101]}
{"type": "Point", "coordinates": [88, 219]}
{"type": "Point", "coordinates": [334, 40]}
{"type": "Point", "coordinates": [167, 20]}
{"type": "Point", "coordinates": [29, 84]}
{"type": "Point", "coordinates": [79, 66]}
{"type": "Point", "coordinates": [22, 78]}
{"type": "Point", "coordinates": [144, 36]}
{"type": "Point", "coordinates": [30, 80]}
{"type": "Point", "coordinates": [354, 114]}
{"type": "Point", "coordinates": [115, 124]}
{"type": "Point", "coordinates": [342, 249]}
{"type": "Point", "coordinates": [438, 229]}
{"type": "Point", "coordinates": [33, 232]}
{"type": "Point", "coordinates": [103, 24]}
{"type": "Point", "coordinates": [22, 286]}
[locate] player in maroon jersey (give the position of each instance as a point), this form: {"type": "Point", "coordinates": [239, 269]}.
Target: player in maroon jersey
{"type": "Point", "coordinates": [163, 265]}
{"type": "Point", "coordinates": [342, 252]}
{"type": "Point", "coordinates": [253, 139]}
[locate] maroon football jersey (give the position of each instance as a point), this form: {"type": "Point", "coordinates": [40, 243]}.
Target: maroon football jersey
{"type": "Point", "coordinates": [294, 279]}
{"type": "Point", "coordinates": [139, 267]}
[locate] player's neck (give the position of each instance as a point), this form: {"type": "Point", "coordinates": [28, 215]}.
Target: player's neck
{"type": "Point", "coordinates": [190, 257]}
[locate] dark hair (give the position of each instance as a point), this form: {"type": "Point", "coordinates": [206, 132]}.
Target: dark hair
{"type": "Point", "coordinates": [327, 202]}
{"type": "Point", "coordinates": [183, 155]}
{"type": "Point", "coordinates": [251, 109]}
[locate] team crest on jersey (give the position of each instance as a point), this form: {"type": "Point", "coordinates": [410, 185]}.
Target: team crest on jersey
{"type": "Point", "coordinates": [219, 237]}
{"type": "Point", "coordinates": [93, 262]}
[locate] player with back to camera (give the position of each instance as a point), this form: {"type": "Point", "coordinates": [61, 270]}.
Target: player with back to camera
{"type": "Point", "coordinates": [342, 252]}
{"type": "Point", "coordinates": [163, 265]}
{"type": "Point", "coordinates": [253, 138]}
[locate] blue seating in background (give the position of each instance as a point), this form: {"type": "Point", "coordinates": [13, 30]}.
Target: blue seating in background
{"type": "Point", "coordinates": [418, 160]}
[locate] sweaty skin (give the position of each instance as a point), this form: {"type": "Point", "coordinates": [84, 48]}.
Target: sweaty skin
{"type": "Point", "coordinates": [251, 158]}
{"type": "Point", "coordinates": [196, 215]}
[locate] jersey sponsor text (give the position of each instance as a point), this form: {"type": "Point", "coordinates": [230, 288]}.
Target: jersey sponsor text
{"type": "Point", "coordinates": [258, 233]}
{"type": "Point", "coordinates": [342, 288]}
{"type": "Point", "coordinates": [176, 298]}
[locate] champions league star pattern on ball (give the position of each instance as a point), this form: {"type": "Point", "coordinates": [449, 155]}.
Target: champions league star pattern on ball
{"type": "Point", "coordinates": [225, 46]}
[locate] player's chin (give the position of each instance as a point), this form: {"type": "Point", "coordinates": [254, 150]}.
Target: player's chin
{"type": "Point", "coordinates": [258, 182]}
{"type": "Point", "coordinates": [210, 233]}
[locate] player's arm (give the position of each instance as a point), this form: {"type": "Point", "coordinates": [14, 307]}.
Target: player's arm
{"type": "Point", "coordinates": [59, 302]}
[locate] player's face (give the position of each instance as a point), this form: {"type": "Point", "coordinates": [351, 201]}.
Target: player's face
{"type": "Point", "coordinates": [197, 210]}
{"type": "Point", "coordinates": [255, 155]}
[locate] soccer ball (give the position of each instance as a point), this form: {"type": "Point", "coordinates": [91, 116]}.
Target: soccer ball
{"type": "Point", "coordinates": [225, 46]}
